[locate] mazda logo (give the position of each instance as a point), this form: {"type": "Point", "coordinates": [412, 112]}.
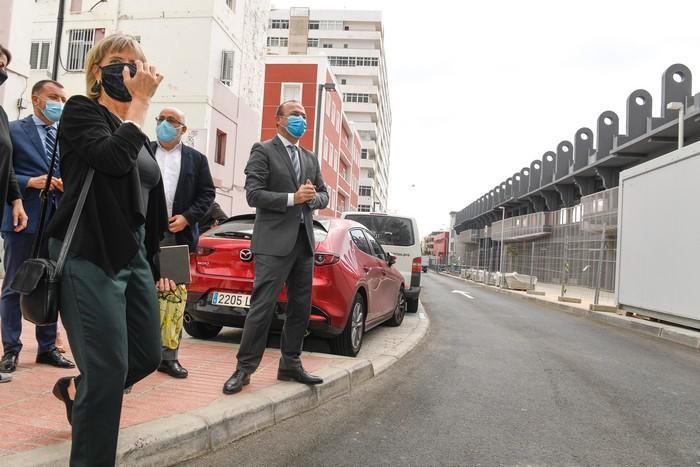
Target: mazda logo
{"type": "Point", "coordinates": [246, 255]}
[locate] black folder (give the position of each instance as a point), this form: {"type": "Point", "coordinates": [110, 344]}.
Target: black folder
{"type": "Point", "coordinates": [175, 263]}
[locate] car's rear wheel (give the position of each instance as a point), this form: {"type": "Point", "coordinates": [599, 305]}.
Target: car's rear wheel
{"type": "Point", "coordinates": [349, 342]}
{"type": "Point", "coordinates": [400, 310]}
{"type": "Point", "coordinates": [411, 305]}
{"type": "Point", "coordinates": [200, 330]}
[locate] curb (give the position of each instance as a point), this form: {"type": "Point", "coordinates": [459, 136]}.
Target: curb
{"type": "Point", "coordinates": [665, 332]}
{"type": "Point", "coordinates": [174, 439]}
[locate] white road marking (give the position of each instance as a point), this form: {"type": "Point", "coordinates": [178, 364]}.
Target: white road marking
{"type": "Point", "coordinates": [461, 292]}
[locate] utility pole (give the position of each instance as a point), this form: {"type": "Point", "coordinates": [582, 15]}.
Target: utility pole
{"type": "Point", "coordinates": [57, 41]}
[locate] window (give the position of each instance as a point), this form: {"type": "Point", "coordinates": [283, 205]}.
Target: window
{"type": "Point", "coordinates": [376, 247]}
{"type": "Point", "coordinates": [311, 42]}
{"type": "Point", "coordinates": [390, 230]}
{"type": "Point", "coordinates": [277, 41]}
{"type": "Point", "coordinates": [333, 114]}
{"type": "Point", "coordinates": [80, 41]}
{"type": "Point", "coordinates": [291, 92]}
{"type": "Point", "coordinates": [343, 81]}
{"type": "Point", "coordinates": [330, 25]}
{"type": "Point", "coordinates": [39, 55]}
{"type": "Point", "coordinates": [279, 24]}
{"type": "Point", "coordinates": [355, 97]}
{"type": "Point", "coordinates": [330, 153]}
{"type": "Point", "coordinates": [345, 46]}
{"type": "Point", "coordinates": [364, 153]}
{"type": "Point", "coordinates": [328, 108]}
{"type": "Point", "coordinates": [363, 207]}
{"type": "Point", "coordinates": [342, 203]}
{"type": "Point", "coordinates": [343, 170]}
{"type": "Point", "coordinates": [365, 190]}
{"type": "Point", "coordinates": [313, 25]}
{"type": "Point", "coordinates": [220, 147]}
{"type": "Point", "coordinates": [353, 61]}
{"type": "Point", "coordinates": [226, 67]}
{"type": "Point", "coordinates": [360, 241]}
{"type": "Point", "coordinates": [326, 45]}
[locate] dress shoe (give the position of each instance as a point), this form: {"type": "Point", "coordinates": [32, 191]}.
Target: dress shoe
{"type": "Point", "coordinates": [4, 378]}
{"type": "Point", "coordinates": [60, 391]}
{"type": "Point", "coordinates": [299, 375]}
{"type": "Point", "coordinates": [235, 383]}
{"type": "Point", "coordinates": [54, 358]}
{"type": "Point", "coordinates": [8, 364]}
{"type": "Point", "coordinates": [173, 368]}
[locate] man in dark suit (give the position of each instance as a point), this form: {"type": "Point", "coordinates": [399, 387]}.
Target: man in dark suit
{"type": "Point", "coordinates": [33, 142]}
{"type": "Point", "coordinates": [284, 184]}
{"type": "Point", "coordinates": [189, 192]}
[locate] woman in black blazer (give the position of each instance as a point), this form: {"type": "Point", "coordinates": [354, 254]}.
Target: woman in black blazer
{"type": "Point", "coordinates": [9, 189]}
{"type": "Point", "coordinates": [108, 299]}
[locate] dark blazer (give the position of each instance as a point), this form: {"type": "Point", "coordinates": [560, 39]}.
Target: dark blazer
{"type": "Point", "coordinates": [29, 160]}
{"type": "Point", "coordinates": [91, 136]}
{"type": "Point", "coordinates": [269, 180]}
{"type": "Point", "coordinates": [9, 190]}
{"type": "Point", "coordinates": [194, 193]}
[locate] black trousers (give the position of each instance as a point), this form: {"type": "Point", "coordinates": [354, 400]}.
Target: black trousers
{"type": "Point", "coordinates": [113, 326]}
{"type": "Point", "coordinates": [271, 272]}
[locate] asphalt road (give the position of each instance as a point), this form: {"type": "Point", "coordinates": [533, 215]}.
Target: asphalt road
{"type": "Point", "coordinates": [500, 381]}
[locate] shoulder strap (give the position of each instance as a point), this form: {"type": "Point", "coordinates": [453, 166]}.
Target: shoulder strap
{"type": "Point", "coordinates": [67, 240]}
{"type": "Point", "coordinates": [44, 195]}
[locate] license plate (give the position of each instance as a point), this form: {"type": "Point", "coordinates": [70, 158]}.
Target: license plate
{"type": "Point", "coordinates": [230, 299]}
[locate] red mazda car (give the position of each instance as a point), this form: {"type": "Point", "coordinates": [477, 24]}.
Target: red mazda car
{"type": "Point", "coordinates": [355, 287]}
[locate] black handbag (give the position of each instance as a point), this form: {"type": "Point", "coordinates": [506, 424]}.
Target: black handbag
{"type": "Point", "coordinates": [38, 279]}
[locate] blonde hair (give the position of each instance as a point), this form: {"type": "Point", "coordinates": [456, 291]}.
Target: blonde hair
{"type": "Point", "coordinates": [112, 43]}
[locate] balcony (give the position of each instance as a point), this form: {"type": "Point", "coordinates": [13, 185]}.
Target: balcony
{"type": "Point", "coordinates": [363, 107]}
{"type": "Point", "coordinates": [527, 227]}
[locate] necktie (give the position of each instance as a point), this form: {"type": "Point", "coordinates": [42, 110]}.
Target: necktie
{"type": "Point", "coordinates": [295, 161]}
{"type": "Point", "coordinates": [49, 142]}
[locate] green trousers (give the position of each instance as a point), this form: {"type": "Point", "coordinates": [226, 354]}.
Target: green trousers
{"type": "Point", "coordinates": [113, 326]}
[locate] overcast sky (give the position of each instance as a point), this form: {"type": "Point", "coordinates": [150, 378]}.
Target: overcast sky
{"type": "Point", "coordinates": [481, 89]}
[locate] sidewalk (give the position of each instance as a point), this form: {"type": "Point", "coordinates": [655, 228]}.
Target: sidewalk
{"type": "Point", "coordinates": [668, 332]}
{"type": "Point", "coordinates": [166, 420]}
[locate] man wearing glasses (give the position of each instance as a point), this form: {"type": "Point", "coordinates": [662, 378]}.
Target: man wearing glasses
{"type": "Point", "coordinates": [189, 192]}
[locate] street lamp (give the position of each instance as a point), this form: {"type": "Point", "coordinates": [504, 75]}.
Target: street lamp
{"type": "Point", "coordinates": [319, 112]}
{"type": "Point", "coordinates": [503, 224]}
{"type": "Point", "coordinates": [681, 117]}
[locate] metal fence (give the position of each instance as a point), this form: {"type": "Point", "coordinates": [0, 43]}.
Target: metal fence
{"type": "Point", "coordinates": [576, 246]}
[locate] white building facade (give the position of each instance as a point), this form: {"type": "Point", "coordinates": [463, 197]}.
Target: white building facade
{"type": "Point", "coordinates": [353, 41]}
{"type": "Point", "coordinates": [211, 53]}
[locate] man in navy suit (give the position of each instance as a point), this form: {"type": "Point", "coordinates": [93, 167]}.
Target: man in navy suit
{"type": "Point", "coordinates": [189, 192]}
{"type": "Point", "coordinates": [33, 141]}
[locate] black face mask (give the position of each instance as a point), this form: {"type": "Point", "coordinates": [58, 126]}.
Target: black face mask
{"type": "Point", "coordinates": [3, 76]}
{"type": "Point", "coordinates": [113, 81]}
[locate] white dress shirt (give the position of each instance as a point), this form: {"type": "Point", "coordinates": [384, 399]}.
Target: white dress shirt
{"type": "Point", "coordinates": [169, 163]}
{"type": "Point", "coordinates": [287, 143]}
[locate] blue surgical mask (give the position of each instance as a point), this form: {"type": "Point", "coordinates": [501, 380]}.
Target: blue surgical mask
{"type": "Point", "coordinates": [166, 132]}
{"type": "Point", "coordinates": [296, 126]}
{"type": "Point", "coordinates": [53, 110]}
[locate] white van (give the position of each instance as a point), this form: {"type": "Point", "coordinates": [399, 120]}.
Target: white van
{"type": "Point", "coordinates": [398, 235]}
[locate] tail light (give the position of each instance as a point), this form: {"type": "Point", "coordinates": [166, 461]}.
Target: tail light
{"type": "Point", "coordinates": [416, 264]}
{"type": "Point", "coordinates": [325, 259]}
{"type": "Point", "coordinates": [203, 251]}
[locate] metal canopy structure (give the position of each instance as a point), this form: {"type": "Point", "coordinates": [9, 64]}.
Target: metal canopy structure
{"type": "Point", "coordinates": [560, 178]}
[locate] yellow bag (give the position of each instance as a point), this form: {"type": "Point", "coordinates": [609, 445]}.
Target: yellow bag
{"type": "Point", "coordinates": [172, 312]}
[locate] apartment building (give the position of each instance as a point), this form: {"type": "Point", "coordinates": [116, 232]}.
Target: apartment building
{"type": "Point", "coordinates": [309, 80]}
{"type": "Point", "coordinates": [211, 53]}
{"type": "Point", "coordinates": [353, 42]}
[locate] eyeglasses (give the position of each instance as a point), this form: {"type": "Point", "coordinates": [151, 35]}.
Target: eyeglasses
{"type": "Point", "coordinates": [170, 120]}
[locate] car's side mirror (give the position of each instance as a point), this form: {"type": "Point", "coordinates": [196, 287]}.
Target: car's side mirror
{"type": "Point", "coordinates": [390, 259]}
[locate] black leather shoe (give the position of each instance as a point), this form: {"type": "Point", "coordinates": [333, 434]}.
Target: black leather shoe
{"type": "Point", "coordinates": [60, 391]}
{"type": "Point", "coordinates": [8, 364]}
{"type": "Point", "coordinates": [173, 368]}
{"type": "Point", "coordinates": [299, 375]}
{"type": "Point", "coordinates": [235, 383]}
{"type": "Point", "coordinates": [54, 358]}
